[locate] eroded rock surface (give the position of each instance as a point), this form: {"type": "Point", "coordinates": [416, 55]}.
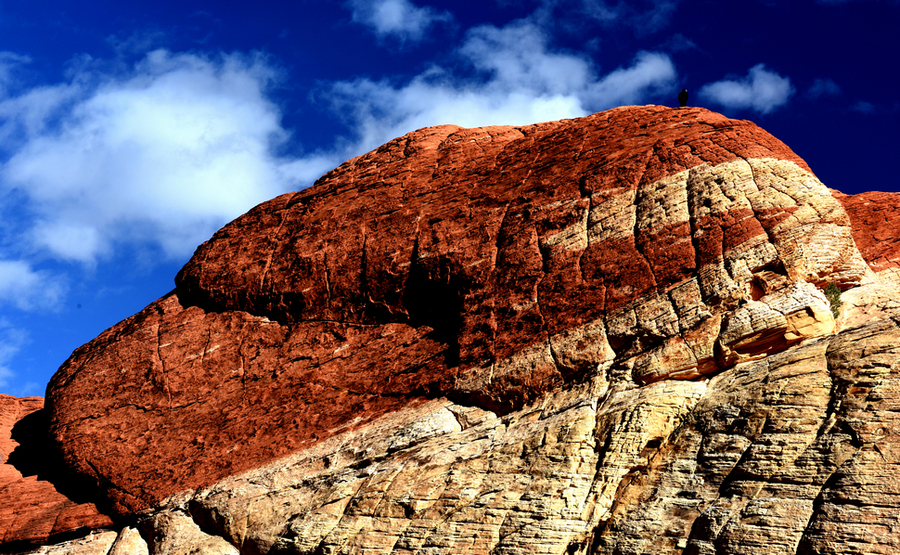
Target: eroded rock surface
{"type": "Point", "coordinates": [602, 335]}
{"type": "Point", "coordinates": [875, 217]}
{"type": "Point", "coordinates": [794, 453]}
{"type": "Point", "coordinates": [490, 266]}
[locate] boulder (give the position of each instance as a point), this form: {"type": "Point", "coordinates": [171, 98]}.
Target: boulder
{"type": "Point", "coordinates": [599, 335]}
{"type": "Point", "coordinates": [489, 266]}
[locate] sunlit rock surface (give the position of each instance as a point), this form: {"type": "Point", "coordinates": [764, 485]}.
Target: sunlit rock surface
{"type": "Point", "coordinates": [601, 335]}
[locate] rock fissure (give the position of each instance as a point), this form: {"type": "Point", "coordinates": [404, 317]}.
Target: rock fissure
{"type": "Point", "coordinates": [265, 272]}
{"type": "Point", "coordinates": [327, 269]}
{"type": "Point", "coordinates": [162, 365]}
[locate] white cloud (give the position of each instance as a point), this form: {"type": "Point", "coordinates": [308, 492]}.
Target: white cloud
{"type": "Point", "coordinates": [650, 74]}
{"type": "Point", "coordinates": [399, 18]}
{"type": "Point", "coordinates": [26, 288]}
{"type": "Point", "coordinates": [762, 90]}
{"type": "Point", "coordinates": [520, 80]}
{"type": "Point", "coordinates": [163, 155]}
{"type": "Point", "coordinates": [823, 87]}
{"type": "Point", "coordinates": [517, 58]}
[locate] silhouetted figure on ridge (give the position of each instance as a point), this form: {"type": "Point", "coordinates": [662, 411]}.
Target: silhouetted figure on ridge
{"type": "Point", "coordinates": [683, 97]}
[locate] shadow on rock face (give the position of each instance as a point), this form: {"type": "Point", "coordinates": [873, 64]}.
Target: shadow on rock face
{"type": "Point", "coordinates": [37, 455]}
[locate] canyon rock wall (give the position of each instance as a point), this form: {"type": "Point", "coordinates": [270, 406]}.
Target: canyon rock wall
{"type": "Point", "coordinates": [601, 335]}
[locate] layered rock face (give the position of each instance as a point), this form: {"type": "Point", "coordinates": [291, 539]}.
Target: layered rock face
{"type": "Point", "coordinates": [603, 335]}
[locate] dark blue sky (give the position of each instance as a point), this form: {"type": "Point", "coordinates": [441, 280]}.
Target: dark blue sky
{"type": "Point", "coordinates": [131, 131]}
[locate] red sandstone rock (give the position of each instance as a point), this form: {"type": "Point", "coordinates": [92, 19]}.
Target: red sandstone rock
{"type": "Point", "coordinates": [456, 262]}
{"type": "Point", "coordinates": [32, 510]}
{"type": "Point", "coordinates": [875, 217]}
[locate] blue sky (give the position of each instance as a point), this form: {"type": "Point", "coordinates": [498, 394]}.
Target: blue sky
{"type": "Point", "coordinates": [131, 131]}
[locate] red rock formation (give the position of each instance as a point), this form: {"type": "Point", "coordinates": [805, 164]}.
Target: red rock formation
{"type": "Point", "coordinates": [450, 261]}
{"type": "Point", "coordinates": [875, 217]}
{"type": "Point", "coordinates": [33, 511]}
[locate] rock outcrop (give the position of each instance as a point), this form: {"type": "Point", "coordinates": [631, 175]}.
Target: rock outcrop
{"type": "Point", "coordinates": [603, 335]}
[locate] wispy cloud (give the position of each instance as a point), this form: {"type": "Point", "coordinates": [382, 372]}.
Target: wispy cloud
{"type": "Point", "coordinates": [761, 90]}
{"type": "Point", "coordinates": [680, 43]}
{"type": "Point", "coordinates": [864, 107]}
{"type": "Point", "coordinates": [9, 63]}
{"type": "Point", "coordinates": [518, 79]}
{"type": "Point", "coordinates": [12, 340]}
{"type": "Point", "coordinates": [823, 87]}
{"type": "Point", "coordinates": [400, 19]}
{"type": "Point", "coordinates": [644, 17]}
{"type": "Point", "coordinates": [162, 154]}
{"type": "Point", "coordinates": [27, 288]}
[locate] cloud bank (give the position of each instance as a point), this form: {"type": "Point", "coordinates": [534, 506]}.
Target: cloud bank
{"type": "Point", "coordinates": [163, 154]}
{"type": "Point", "coordinates": [515, 78]}
{"type": "Point", "coordinates": [761, 90]}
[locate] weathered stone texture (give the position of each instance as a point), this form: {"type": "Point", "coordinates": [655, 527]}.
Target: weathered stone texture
{"type": "Point", "coordinates": [593, 336]}
{"type": "Point", "coordinates": [489, 265]}
{"type": "Point", "coordinates": [129, 542]}
{"type": "Point", "coordinates": [93, 543]}
{"type": "Point", "coordinates": [876, 226]}
{"type": "Point", "coordinates": [793, 451]}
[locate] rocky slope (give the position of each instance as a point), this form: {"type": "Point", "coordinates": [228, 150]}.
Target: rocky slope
{"type": "Point", "coordinates": [602, 335]}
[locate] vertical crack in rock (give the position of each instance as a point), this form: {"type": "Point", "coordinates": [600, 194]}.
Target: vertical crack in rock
{"type": "Point", "coordinates": [364, 293]}
{"type": "Point", "coordinates": [696, 235]}
{"type": "Point", "coordinates": [205, 349]}
{"type": "Point", "coordinates": [838, 390]}
{"type": "Point", "coordinates": [327, 269]}
{"type": "Point", "coordinates": [162, 365]}
{"type": "Point", "coordinates": [273, 246]}
{"type": "Point", "coordinates": [544, 253]}
{"type": "Point", "coordinates": [769, 229]}
{"type": "Point", "coordinates": [637, 234]}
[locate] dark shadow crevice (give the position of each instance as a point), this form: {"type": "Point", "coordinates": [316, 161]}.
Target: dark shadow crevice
{"type": "Point", "coordinates": [436, 302]}
{"type": "Point", "coordinates": [38, 455]}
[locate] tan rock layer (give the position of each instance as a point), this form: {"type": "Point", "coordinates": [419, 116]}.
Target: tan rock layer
{"type": "Point", "coordinates": [794, 453]}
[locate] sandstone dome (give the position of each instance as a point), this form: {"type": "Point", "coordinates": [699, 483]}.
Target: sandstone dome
{"type": "Point", "coordinates": [598, 335]}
